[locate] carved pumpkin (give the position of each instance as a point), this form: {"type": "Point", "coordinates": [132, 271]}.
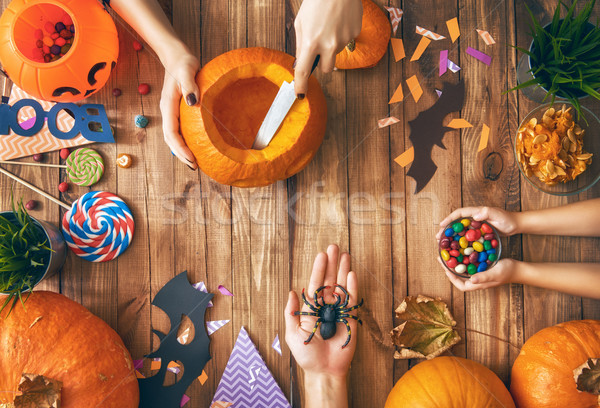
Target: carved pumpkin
{"type": "Point", "coordinates": [60, 339]}
{"type": "Point", "coordinates": [449, 382]}
{"type": "Point", "coordinates": [236, 91]}
{"type": "Point", "coordinates": [371, 44]}
{"type": "Point", "coordinates": [82, 71]}
{"type": "Point", "coordinates": [545, 372]}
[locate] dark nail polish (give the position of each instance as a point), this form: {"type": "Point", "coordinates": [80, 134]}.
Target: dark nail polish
{"type": "Point", "coordinates": [191, 99]}
{"type": "Point", "coordinates": [301, 96]}
{"type": "Point", "coordinates": [294, 64]}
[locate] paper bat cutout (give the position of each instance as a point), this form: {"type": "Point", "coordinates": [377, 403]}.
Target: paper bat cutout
{"type": "Point", "coordinates": [177, 298]}
{"type": "Point", "coordinates": [427, 130]}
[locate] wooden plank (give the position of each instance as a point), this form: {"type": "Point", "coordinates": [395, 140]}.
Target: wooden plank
{"type": "Point", "coordinates": [368, 187]}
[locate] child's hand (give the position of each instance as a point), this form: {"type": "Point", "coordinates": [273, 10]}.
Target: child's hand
{"type": "Point", "coordinates": [503, 272]}
{"type": "Point", "coordinates": [180, 80]}
{"type": "Point", "coordinates": [323, 27]}
{"type": "Point", "coordinates": [323, 358]}
{"type": "Point", "coordinates": [504, 221]}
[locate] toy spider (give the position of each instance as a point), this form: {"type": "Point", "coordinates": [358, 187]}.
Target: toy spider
{"type": "Point", "coordinates": [328, 314]}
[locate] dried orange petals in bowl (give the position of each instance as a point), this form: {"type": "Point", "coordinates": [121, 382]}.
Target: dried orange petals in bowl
{"type": "Point", "coordinates": [552, 148]}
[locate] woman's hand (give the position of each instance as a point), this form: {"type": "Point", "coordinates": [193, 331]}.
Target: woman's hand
{"type": "Point", "coordinates": [323, 27]}
{"type": "Point", "coordinates": [504, 221]}
{"type": "Point", "coordinates": [180, 80]}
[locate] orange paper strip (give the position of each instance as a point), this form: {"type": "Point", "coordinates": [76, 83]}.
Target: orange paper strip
{"type": "Point", "coordinates": [398, 95]}
{"type": "Point", "coordinates": [423, 44]}
{"type": "Point", "coordinates": [154, 365]}
{"type": "Point", "coordinates": [486, 37]}
{"type": "Point", "coordinates": [203, 377]}
{"type": "Point", "coordinates": [221, 404]}
{"type": "Point", "coordinates": [453, 28]}
{"type": "Point", "coordinates": [138, 374]}
{"type": "Point", "coordinates": [398, 48]}
{"type": "Point", "coordinates": [406, 158]}
{"type": "Point", "coordinates": [429, 34]}
{"type": "Point", "coordinates": [387, 121]}
{"type": "Point", "coordinates": [173, 364]}
{"type": "Point", "coordinates": [459, 124]}
{"type": "Point", "coordinates": [414, 87]}
{"type": "Point", "coordinates": [485, 135]}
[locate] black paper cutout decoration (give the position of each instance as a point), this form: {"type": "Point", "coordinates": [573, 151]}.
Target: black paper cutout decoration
{"type": "Point", "coordinates": [177, 298]}
{"type": "Point", "coordinates": [427, 129]}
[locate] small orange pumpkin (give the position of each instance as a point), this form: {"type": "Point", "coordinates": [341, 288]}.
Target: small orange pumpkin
{"type": "Point", "coordinates": [371, 44]}
{"type": "Point", "coordinates": [449, 382]}
{"type": "Point", "coordinates": [60, 339]}
{"type": "Point", "coordinates": [236, 91]}
{"type": "Point", "coordinates": [544, 374]}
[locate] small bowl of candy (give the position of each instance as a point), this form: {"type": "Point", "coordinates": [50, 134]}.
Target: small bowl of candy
{"type": "Point", "coordinates": [468, 247]}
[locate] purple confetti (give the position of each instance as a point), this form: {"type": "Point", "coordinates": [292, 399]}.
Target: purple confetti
{"type": "Point", "coordinates": [443, 62]}
{"type": "Point", "coordinates": [138, 364]}
{"type": "Point", "coordinates": [184, 400]}
{"type": "Point", "coordinates": [224, 291]}
{"type": "Point", "coordinates": [453, 67]}
{"type": "Point", "coordinates": [486, 59]}
{"type": "Point", "coordinates": [438, 92]}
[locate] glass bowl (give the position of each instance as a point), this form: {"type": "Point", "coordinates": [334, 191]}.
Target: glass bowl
{"type": "Point", "coordinates": [498, 248]}
{"type": "Point", "coordinates": [591, 144]}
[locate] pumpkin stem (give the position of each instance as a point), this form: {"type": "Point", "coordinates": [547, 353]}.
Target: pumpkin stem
{"type": "Point", "coordinates": [351, 45]}
{"type": "Point", "coordinates": [488, 335]}
{"type": "Point", "coordinates": [587, 376]}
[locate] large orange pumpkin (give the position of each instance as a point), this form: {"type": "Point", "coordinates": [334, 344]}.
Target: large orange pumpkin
{"type": "Point", "coordinates": [371, 44]}
{"type": "Point", "coordinates": [236, 91]}
{"type": "Point", "coordinates": [60, 339]}
{"type": "Point", "coordinates": [449, 382]}
{"type": "Point", "coordinates": [543, 374]}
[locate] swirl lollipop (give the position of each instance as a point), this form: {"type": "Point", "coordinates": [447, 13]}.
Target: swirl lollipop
{"type": "Point", "coordinates": [99, 226]}
{"type": "Point", "coordinates": [85, 167]}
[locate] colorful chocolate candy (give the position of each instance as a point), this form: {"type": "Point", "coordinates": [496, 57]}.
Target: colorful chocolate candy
{"type": "Point", "coordinates": [469, 246]}
{"type": "Point", "coordinates": [54, 40]}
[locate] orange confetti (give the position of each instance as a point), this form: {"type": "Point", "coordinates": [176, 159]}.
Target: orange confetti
{"type": "Point", "coordinates": [414, 87]}
{"type": "Point", "coordinates": [485, 135]}
{"type": "Point", "coordinates": [221, 404]}
{"type": "Point", "coordinates": [387, 121]}
{"type": "Point", "coordinates": [406, 158]}
{"type": "Point", "coordinates": [423, 44]}
{"type": "Point", "coordinates": [453, 28]}
{"type": "Point", "coordinates": [398, 95]}
{"type": "Point", "coordinates": [173, 364]}
{"type": "Point", "coordinates": [398, 48]}
{"type": "Point", "coordinates": [203, 377]}
{"type": "Point", "coordinates": [155, 365]}
{"type": "Point", "coordinates": [459, 124]}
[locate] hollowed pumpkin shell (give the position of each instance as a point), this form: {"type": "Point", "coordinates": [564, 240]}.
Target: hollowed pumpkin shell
{"type": "Point", "coordinates": [60, 339]}
{"type": "Point", "coordinates": [236, 91]}
{"type": "Point", "coordinates": [371, 44]}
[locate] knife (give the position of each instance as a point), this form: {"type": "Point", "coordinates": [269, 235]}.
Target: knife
{"type": "Point", "coordinates": [279, 109]}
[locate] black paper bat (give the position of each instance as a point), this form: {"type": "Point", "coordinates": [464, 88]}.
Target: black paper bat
{"type": "Point", "coordinates": [177, 298]}
{"type": "Point", "coordinates": [427, 130]}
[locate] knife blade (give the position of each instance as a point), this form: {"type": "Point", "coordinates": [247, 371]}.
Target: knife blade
{"type": "Point", "coordinates": [279, 109]}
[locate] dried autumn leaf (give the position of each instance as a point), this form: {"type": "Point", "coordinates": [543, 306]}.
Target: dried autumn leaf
{"type": "Point", "coordinates": [587, 376]}
{"type": "Point", "coordinates": [38, 392]}
{"type": "Point", "coordinates": [427, 329]}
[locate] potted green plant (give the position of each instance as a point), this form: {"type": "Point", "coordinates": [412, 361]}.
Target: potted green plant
{"type": "Point", "coordinates": [563, 59]}
{"type": "Point", "coordinates": [30, 250]}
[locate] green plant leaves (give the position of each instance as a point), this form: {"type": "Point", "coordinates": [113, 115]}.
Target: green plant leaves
{"type": "Point", "coordinates": [427, 328]}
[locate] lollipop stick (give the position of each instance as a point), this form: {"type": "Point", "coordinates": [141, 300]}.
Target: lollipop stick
{"type": "Point", "coordinates": [34, 188]}
{"type": "Point", "coordinates": [59, 166]}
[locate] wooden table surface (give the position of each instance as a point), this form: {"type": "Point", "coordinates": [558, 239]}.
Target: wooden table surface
{"type": "Point", "coordinates": [261, 242]}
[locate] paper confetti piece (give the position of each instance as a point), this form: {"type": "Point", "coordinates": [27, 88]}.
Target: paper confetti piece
{"type": "Point", "coordinates": [254, 372]}
{"type": "Point", "coordinates": [395, 17]}
{"type": "Point", "coordinates": [398, 96]}
{"type": "Point", "coordinates": [415, 87]}
{"type": "Point", "coordinates": [203, 377]}
{"type": "Point", "coordinates": [486, 37]}
{"type": "Point", "coordinates": [174, 367]}
{"type": "Point", "coordinates": [406, 158]}
{"type": "Point", "coordinates": [184, 400]}
{"type": "Point", "coordinates": [224, 291]}
{"type": "Point", "coordinates": [277, 345]}
{"type": "Point", "coordinates": [138, 374]}
{"type": "Point", "coordinates": [453, 67]}
{"type": "Point", "coordinates": [215, 325]}
{"type": "Point", "coordinates": [387, 121]}
{"type": "Point", "coordinates": [429, 34]}
{"type": "Point", "coordinates": [486, 59]}
{"type": "Point", "coordinates": [453, 29]}
{"type": "Point", "coordinates": [155, 364]}
{"type": "Point", "coordinates": [398, 48]}
{"type": "Point", "coordinates": [485, 135]}
{"type": "Point", "coordinates": [459, 124]}
{"type": "Point", "coordinates": [138, 364]}
{"type": "Point", "coordinates": [183, 337]}
{"type": "Point", "coordinates": [443, 62]}
{"type": "Point", "coordinates": [221, 404]}
{"type": "Point", "coordinates": [438, 92]}
{"type": "Point", "coordinates": [423, 44]}
{"type": "Point", "coordinates": [202, 287]}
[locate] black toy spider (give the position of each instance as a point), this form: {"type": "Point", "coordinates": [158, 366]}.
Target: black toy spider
{"type": "Point", "coordinates": [328, 314]}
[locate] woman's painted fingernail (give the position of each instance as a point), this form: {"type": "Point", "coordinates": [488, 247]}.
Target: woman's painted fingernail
{"type": "Point", "coordinates": [191, 99]}
{"type": "Point", "coordinates": [301, 96]}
